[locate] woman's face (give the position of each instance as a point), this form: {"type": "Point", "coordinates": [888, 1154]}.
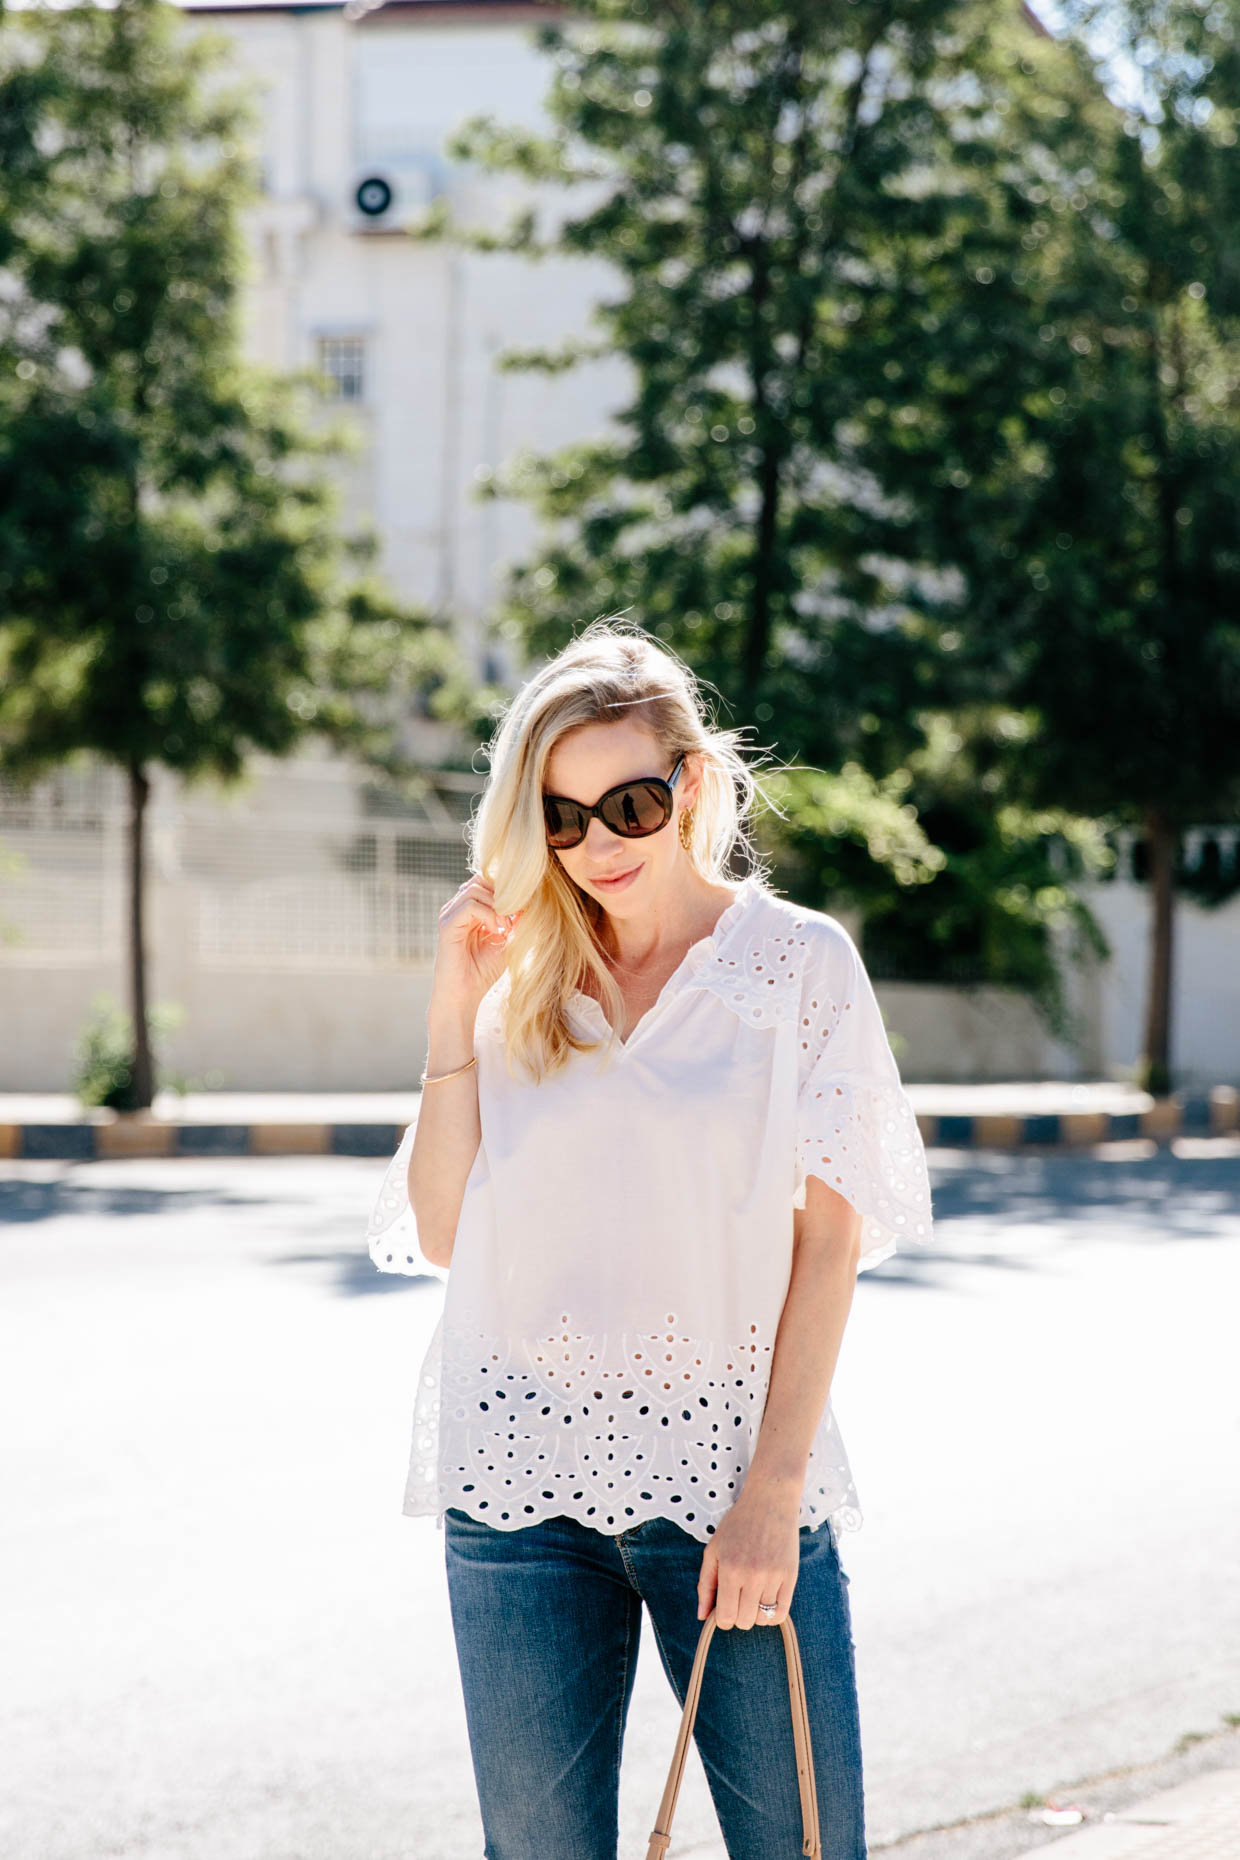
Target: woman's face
{"type": "Point", "coordinates": [583, 765]}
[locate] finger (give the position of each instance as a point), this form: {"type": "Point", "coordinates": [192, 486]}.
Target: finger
{"type": "Point", "coordinates": [727, 1600]}
{"type": "Point", "coordinates": [483, 891]}
{"type": "Point", "coordinates": [762, 1586]}
{"type": "Point", "coordinates": [472, 888]}
{"type": "Point", "coordinates": [470, 905]}
{"type": "Point", "coordinates": [747, 1605]}
{"type": "Point", "coordinates": [779, 1591]}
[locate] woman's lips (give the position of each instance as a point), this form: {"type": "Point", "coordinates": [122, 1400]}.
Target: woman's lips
{"type": "Point", "coordinates": [613, 884]}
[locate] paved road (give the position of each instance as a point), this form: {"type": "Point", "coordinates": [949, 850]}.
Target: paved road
{"type": "Point", "coordinates": [222, 1639]}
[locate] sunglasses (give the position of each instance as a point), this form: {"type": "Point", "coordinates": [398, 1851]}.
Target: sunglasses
{"type": "Point", "coordinates": [632, 810]}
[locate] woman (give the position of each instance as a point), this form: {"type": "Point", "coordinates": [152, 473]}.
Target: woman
{"type": "Point", "coordinates": [661, 1130]}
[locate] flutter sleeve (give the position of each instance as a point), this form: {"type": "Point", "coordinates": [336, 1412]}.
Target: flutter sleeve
{"type": "Point", "coordinates": [392, 1232]}
{"type": "Point", "coordinates": [855, 1127]}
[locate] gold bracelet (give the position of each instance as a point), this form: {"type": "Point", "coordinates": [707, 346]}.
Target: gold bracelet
{"type": "Point", "coordinates": [450, 1075]}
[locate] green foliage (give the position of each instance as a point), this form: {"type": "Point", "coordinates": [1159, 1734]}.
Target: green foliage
{"type": "Point", "coordinates": [1061, 435]}
{"type": "Point", "coordinates": [746, 170]}
{"type": "Point", "coordinates": [1004, 910]}
{"type": "Point", "coordinates": [836, 830]}
{"type": "Point", "coordinates": [1066, 437]}
{"type": "Point", "coordinates": [103, 1054]}
{"type": "Point", "coordinates": [935, 353]}
{"type": "Point", "coordinates": [173, 586]}
{"type": "Point", "coordinates": [810, 214]}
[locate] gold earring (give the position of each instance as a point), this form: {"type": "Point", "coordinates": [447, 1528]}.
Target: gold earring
{"type": "Point", "coordinates": [686, 827]}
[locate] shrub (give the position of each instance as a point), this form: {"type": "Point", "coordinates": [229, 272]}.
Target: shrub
{"type": "Point", "coordinates": [103, 1056]}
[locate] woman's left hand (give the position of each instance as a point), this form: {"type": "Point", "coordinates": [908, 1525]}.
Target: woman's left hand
{"type": "Point", "coordinates": [754, 1556]}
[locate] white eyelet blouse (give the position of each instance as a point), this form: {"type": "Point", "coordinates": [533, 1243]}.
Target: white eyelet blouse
{"type": "Point", "coordinates": [625, 1242]}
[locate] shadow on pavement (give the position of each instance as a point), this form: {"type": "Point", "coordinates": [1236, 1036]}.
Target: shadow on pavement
{"type": "Point", "coordinates": [25, 1200]}
{"type": "Point", "coordinates": [989, 1198]}
{"type": "Point", "coordinates": [356, 1275]}
{"type": "Point", "coordinates": [1189, 1195]}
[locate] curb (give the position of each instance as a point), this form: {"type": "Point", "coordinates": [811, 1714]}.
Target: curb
{"type": "Point", "coordinates": [110, 1135]}
{"type": "Point", "coordinates": [136, 1135]}
{"type": "Point", "coordinates": [1197, 1820]}
{"type": "Point", "coordinates": [1213, 1114]}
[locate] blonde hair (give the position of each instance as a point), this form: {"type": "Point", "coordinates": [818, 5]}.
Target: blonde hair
{"type": "Point", "coordinates": [613, 667]}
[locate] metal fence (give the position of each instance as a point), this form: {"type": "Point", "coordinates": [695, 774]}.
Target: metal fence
{"type": "Point", "coordinates": [318, 868]}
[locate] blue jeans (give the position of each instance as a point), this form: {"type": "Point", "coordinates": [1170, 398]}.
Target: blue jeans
{"type": "Point", "coordinates": [547, 1620]}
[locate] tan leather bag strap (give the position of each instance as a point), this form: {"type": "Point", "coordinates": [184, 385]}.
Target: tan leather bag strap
{"type": "Point", "coordinates": [811, 1845]}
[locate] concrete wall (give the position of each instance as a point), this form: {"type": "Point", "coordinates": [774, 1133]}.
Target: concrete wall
{"type": "Point", "coordinates": [295, 929]}
{"type": "Point", "coordinates": [255, 1029]}
{"type": "Point", "coordinates": [1205, 1015]}
{"type": "Point", "coordinates": [963, 1035]}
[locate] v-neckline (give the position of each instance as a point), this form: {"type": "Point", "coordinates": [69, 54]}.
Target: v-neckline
{"type": "Point", "coordinates": [722, 922]}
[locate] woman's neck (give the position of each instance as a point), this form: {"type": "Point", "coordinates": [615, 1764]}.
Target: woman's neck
{"type": "Point", "coordinates": [640, 946]}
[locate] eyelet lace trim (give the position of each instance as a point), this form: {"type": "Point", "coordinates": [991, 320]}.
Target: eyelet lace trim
{"type": "Point", "coordinates": [392, 1231]}
{"type": "Point", "coordinates": [758, 976]}
{"type": "Point", "coordinates": [607, 1431]}
{"type": "Point", "coordinates": [856, 1130]}
{"type": "Point", "coordinates": [859, 1134]}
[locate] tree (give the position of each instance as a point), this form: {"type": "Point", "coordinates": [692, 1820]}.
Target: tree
{"type": "Point", "coordinates": [759, 178]}
{"type": "Point", "coordinates": [739, 160]}
{"type": "Point", "coordinates": [172, 589]}
{"type": "Point", "coordinates": [1004, 910]}
{"type": "Point", "coordinates": [1090, 507]}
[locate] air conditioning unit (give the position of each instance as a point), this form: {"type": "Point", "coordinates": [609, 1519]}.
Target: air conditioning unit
{"type": "Point", "coordinates": [387, 195]}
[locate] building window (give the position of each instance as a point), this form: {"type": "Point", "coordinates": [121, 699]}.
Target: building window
{"type": "Point", "coordinates": [342, 359]}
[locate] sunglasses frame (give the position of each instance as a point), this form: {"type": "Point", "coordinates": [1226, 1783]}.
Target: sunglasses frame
{"type": "Point", "coordinates": [667, 784]}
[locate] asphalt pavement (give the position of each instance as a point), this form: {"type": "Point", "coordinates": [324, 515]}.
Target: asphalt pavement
{"type": "Point", "coordinates": [224, 1640]}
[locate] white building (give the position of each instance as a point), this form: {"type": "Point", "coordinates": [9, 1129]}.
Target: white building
{"type": "Point", "coordinates": [356, 111]}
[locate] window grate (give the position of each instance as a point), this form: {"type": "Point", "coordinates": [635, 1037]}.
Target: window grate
{"type": "Point", "coordinates": [342, 360]}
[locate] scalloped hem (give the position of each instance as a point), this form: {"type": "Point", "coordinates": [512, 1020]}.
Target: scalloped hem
{"type": "Point", "coordinates": [845, 1516]}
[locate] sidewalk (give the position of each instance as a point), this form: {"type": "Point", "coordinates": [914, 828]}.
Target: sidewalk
{"type": "Point", "coordinates": [1037, 1115]}
{"type": "Point", "coordinates": [1198, 1820]}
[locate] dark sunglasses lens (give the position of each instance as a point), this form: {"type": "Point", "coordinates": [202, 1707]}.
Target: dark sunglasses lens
{"type": "Point", "coordinates": [566, 824]}
{"type": "Point", "coordinates": [642, 807]}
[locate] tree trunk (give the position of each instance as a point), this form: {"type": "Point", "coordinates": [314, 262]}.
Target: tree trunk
{"type": "Point", "coordinates": [758, 635]}
{"type": "Point", "coordinates": [142, 1089]}
{"type": "Point", "coordinates": [1162, 841]}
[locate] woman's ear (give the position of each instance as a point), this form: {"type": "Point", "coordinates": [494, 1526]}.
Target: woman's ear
{"type": "Point", "coordinates": [689, 787]}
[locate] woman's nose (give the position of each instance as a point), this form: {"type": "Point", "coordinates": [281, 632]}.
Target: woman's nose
{"type": "Point", "coordinates": [600, 841]}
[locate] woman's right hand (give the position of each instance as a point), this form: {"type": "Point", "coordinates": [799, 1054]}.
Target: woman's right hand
{"type": "Point", "coordinates": [472, 948]}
